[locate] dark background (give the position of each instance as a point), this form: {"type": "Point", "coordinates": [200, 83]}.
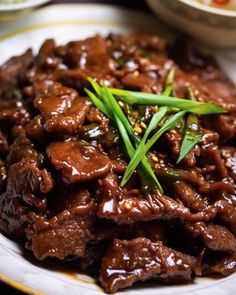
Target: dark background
{"type": "Point", "coordinates": [137, 4]}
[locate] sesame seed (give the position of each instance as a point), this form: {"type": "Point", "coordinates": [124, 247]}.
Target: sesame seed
{"type": "Point", "coordinates": [127, 206]}
{"type": "Point", "coordinates": [228, 165]}
{"type": "Point", "coordinates": [157, 166]}
{"type": "Point", "coordinates": [154, 158]}
{"type": "Point", "coordinates": [143, 125]}
{"type": "Point", "coordinates": [121, 103]}
{"type": "Point", "coordinates": [135, 73]}
{"type": "Point", "coordinates": [227, 155]}
{"type": "Point", "coordinates": [138, 129]}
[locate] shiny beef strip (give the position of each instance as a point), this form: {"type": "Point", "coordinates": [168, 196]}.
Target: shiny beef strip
{"type": "Point", "coordinates": [78, 161]}
{"type": "Point", "coordinates": [22, 148]}
{"type": "Point", "coordinates": [215, 237]}
{"type": "Point", "coordinates": [226, 210]}
{"type": "Point", "coordinates": [188, 196]}
{"type": "Point", "coordinates": [225, 125]}
{"type": "Point", "coordinates": [85, 58]}
{"type": "Point", "coordinates": [69, 122]}
{"type": "Point", "coordinates": [35, 128]}
{"type": "Point", "coordinates": [54, 100]}
{"type": "Point", "coordinates": [13, 72]}
{"type": "Point", "coordinates": [229, 157]}
{"type": "Point", "coordinates": [26, 190]}
{"type": "Point", "coordinates": [90, 53]}
{"type": "Point", "coordinates": [62, 109]}
{"type": "Point", "coordinates": [211, 156]}
{"type": "Point", "coordinates": [220, 264]}
{"type": "Point", "coordinates": [46, 58]}
{"type": "Point", "coordinates": [224, 266]}
{"type": "Point", "coordinates": [66, 233]}
{"type": "Point", "coordinates": [120, 206]}
{"type": "Point", "coordinates": [14, 112]}
{"type": "Point", "coordinates": [61, 162]}
{"type": "Point", "coordinates": [127, 262]}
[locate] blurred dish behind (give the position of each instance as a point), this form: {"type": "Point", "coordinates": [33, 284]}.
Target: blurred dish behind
{"type": "Point", "coordinates": [222, 4]}
{"type": "Point", "coordinates": [212, 26]}
{"type": "Point", "coordinates": [11, 9]}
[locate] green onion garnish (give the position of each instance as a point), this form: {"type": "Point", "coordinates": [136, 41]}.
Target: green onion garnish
{"type": "Point", "coordinates": [192, 134]}
{"type": "Point", "coordinates": [143, 149]}
{"type": "Point", "coordinates": [171, 111]}
{"type": "Point", "coordinates": [110, 106]}
{"type": "Point", "coordinates": [169, 89]}
{"type": "Point", "coordinates": [141, 98]}
{"type": "Point", "coordinates": [139, 151]}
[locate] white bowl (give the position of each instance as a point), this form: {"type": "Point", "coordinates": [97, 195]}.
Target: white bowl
{"type": "Point", "coordinates": [14, 10]}
{"type": "Point", "coordinates": [212, 26]}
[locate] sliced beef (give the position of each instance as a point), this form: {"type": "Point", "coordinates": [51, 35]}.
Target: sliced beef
{"type": "Point", "coordinates": [224, 266]}
{"type": "Point", "coordinates": [211, 156]}
{"type": "Point", "coordinates": [22, 148]}
{"type": "Point", "coordinates": [189, 196]}
{"type": "Point", "coordinates": [35, 128]}
{"type": "Point", "coordinates": [215, 237]}
{"type": "Point", "coordinates": [141, 82]}
{"type": "Point", "coordinates": [26, 190]}
{"type": "Point", "coordinates": [127, 262]}
{"type": "Point", "coordinates": [46, 58]}
{"type": "Point", "coordinates": [66, 233]}
{"type": "Point", "coordinates": [225, 125]}
{"type": "Point", "coordinates": [88, 54]}
{"type": "Point", "coordinates": [127, 207]}
{"type": "Point", "coordinates": [55, 100]}
{"type": "Point", "coordinates": [62, 109]}
{"type": "Point", "coordinates": [70, 121]}
{"type": "Point", "coordinates": [14, 70]}
{"type": "Point", "coordinates": [78, 161]}
{"type": "Point", "coordinates": [229, 157]}
{"type": "Point", "coordinates": [211, 188]}
{"type": "Point", "coordinates": [14, 112]}
{"type": "Point", "coordinates": [226, 210]}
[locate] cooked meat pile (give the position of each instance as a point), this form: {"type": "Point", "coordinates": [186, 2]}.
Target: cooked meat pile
{"type": "Point", "coordinates": [61, 163]}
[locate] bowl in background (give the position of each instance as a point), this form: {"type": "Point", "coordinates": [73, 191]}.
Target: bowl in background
{"type": "Point", "coordinates": [13, 10]}
{"type": "Point", "coordinates": [212, 26]}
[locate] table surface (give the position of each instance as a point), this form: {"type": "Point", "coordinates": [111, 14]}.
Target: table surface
{"type": "Point", "coordinates": [138, 4]}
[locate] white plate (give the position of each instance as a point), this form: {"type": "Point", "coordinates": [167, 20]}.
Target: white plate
{"type": "Point", "coordinates": [65, 23]}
